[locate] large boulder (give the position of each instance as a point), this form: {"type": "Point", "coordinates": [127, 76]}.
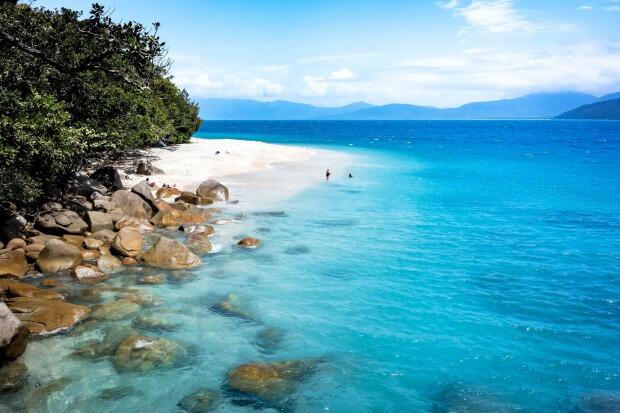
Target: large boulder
{"type": "Point", "coordinates": [58, 256]}
{"type": "Point", "coordinates": [109, 177]}
{"type": "Point", "coordinates": [167, 192]}
{"type": "Point", "coordinates": [199, 242]}
{"type": "Point", "coordinates": [78, 203]}
{"type": "Point", "coordinates": [11, 288]}
{"type": "Point", "coordinates": [109, 264]}
{"type": "Point", "coordinates": [212, 189]}
{"type": "Point", "coordinates": [128, 242]}
{"type": "Point", "coordinates": [13, 262]}
{"type": "Point", "coordinates": [104, 235]}
{"type": "Point", "coordinates": [272, 383]}
{"type": "Point", "coordinates": [144, 353]}
{"type": "Point", "coordinates": [13, 335]}
{"type": "Point", "coordinates": [132, 204]}
{"type": "Point", "coordinates": [44, 317]}
{"type": "Point", "coordinates": [168, 218]}
{"type": "Point", "coordinates": [143, 189]}
{"type": "Point", "coordinates": [98, 220]}
{"type": "Point", "coordinates": [170, 254]}
{"type": "Point", "coordinates": [60, 222]}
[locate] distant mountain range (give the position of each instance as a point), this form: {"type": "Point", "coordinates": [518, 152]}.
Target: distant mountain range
{"type": "Point", "coordinates": [533, 106]}
{"type": "Point", "coordinates": [609, 109]}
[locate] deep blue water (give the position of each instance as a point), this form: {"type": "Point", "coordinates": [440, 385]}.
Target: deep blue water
{"type": "Point", "coordinates": [468, 266]}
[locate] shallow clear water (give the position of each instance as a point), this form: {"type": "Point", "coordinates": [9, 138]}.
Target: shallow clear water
{"type": "Point", "coordinates": [467, 267]}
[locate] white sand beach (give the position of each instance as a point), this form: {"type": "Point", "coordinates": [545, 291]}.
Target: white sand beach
{"type": "Point", "coordinates": [275, 171]}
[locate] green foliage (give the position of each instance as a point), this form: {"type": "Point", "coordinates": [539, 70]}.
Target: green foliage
{"type": "Point", "coordinates": [75, 89]}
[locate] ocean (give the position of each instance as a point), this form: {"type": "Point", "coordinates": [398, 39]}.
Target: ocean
{"type": "Point", "coordinates": [468, 266]}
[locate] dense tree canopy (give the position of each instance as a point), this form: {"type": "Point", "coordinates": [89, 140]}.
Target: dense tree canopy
{"type": "Point", "coordinates": [74, 89]}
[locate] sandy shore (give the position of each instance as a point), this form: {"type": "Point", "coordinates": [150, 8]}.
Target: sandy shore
{"type": "Point", "coordinates": [276, 171]}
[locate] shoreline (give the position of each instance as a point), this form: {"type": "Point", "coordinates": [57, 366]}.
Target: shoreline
{"type": "Point", "coordinates": [251, 169]}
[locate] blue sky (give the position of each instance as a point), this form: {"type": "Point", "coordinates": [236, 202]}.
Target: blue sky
{"type": "Point", "coordinates": [329, 52]}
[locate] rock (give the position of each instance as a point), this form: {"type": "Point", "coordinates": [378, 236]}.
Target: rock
{"type": "Point", "coordinates": [46, 316]}
{"type": "Point", "coordinates": [42, 239]}
{"type": "Point", "coordinates": [116, 214]}
{"type": "Point", "coordinates": [52, 206]}
{"type": "Point", "coordinates": [129, 262]}
{"type": "Point", "coordinates": [167, 192]}
{"type": "Point", "coordinates": [13, 335]}
{"type": "Point", "coordinates": [193, 199]}
{"type": "Point", "coordinates": [15, 243]}
{"type": "Point", "coordinates": [132, 204]}
{"type": "Point", "coordinates": [13, 263]}
{"type": "Point", "coordinates": [12, 376]}
{"type": "Point", "coordinates": [90, 256]}
{"type": "Point", "coordinates": [141, 298]}
{"type": "Point", "coordinates": [232, 306]}
{"type": "Point", "coordinates": [87, 274]}
{"type": "Point", "coordinates": [33, 250]}
{"type": "Point", "coordinates": [61, 222]}
{"type": "Point", "coordinates": [12, 288]}
{"type": "Point", "coordinates": [58, 256]}
{"type": "Point", "coordinates": [212, 189]}
{"type": "Point", "coordinates": [128, 242]}
{"type": "Point", "coordinates": [146, 168]}
{"type": "Point", "coordinates": [144, 353]}
{"type": "Point", "coordinates": [191, 228]}
{"type": "Point", "coordinates": [86, 186]}
{"type": "Point", "coordinates": [109, 264]}
{"type": "Point", "coordinates": [249, 242]}
{"type": "Point", "coordinates": [11, 223]}
{"type": "Point", "coordinates": [199, 243]}
{"type": "Point", "coordinates": [104, 205]}
{"type": "Point", "coordinates": [154, 324]}
{"type": "Point", "coordinates": [104, 235]}
{"type": "Point", "coordinates": [199, 401]}
{"type": "Point", "coordinates": [168, 218]}
{"type": "Point", "coordinates": [115, 310]}
{"type": "Point", "coordinates": [272, 383]}
{"type": "Point", "coordinates": [78, 203]}
{"type": "Point", "coordinates": [140, 224]}
{"type": "Point", "coordinates": [109, 177]}
{"type": "Point", "coordinates": [75, 240]}
{"type": "Point", "coordinates": [269, 339]}
{"type": "Point", "coordinates": [143, 189]}
{"type": "Point", "coordinates": [118, 393]}
{"type": "Point", "coordinates": [170, 254]}
{"type": "Point", "coordinates": [98, 220]}
{"type": "Point", "coordinates": [151, 279]}
{"type": "Point", "coordinates": [93, 243]}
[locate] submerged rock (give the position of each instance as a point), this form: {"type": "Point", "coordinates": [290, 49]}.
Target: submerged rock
{"type": "Point", "coordinates": [13, 288]}
{"type": "Point", "coordinates": [13, 335]}
{"type": "Point", "coordinates": [170, 254]}
{"type": "Point", "coordinates": [12, 376]}
{"type": "Point", "coordinates": [232, 306]}
{"type": "Point", "coordinates": [270, 383]}
{"type": "Point", "coordinates": [199, 242]}
{"type": "Point", "coordinates": [269, 339]}
{"type": "Point", "coordinates": [43, 317]}
{"type": "Point", "coordinates": [213, 189]}
{"type": "Point", "coordinates": [457, 398]}
{"type": "Point", "coordinates": [58, 256]}
{"type": "Point", "coordinates": [154, 324]}
{"type": "Point", "coordinates": [599, 402]}
{"type": "Point", "coordinates": [199, 401]}
{"type": "Point", "coordinates": [118, 392]}
{"type": "Point", "coordinates": [115, 310]}
{"type": "Point", "coordinates": [249, 242]}
{"type": "Point", "coordinates": [151, 279]}
{"type": "Point", "coordinates": [144, 353]}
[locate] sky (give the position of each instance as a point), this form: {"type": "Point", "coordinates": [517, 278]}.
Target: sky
{"type": "Point", "coordinates": [331, 52]}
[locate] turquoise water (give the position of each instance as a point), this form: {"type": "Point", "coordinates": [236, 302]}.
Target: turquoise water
{"type": "Point", "coordinates": [467, 267]}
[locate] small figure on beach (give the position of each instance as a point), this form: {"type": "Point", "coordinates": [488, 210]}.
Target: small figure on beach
{"type": "Point", "coordinates": [327, 174]}
{"type": "Point", "coordinates": [350, 175]}
{"type": "Point", "coordinates": [150, 183]}
{"type": "Point", "coordinates": [217, 152]}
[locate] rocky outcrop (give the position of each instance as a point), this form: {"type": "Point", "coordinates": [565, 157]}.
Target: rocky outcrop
{"type": "Point", "coordinates": [199, 243]}
{"type": "Point", "coordinates": [249, 242]}
{"type": "Point", "coordinates": [13, 262]}
{"type": "Point", "coordinates": [128, 242]}
{"type": "Point", "coordinates": [132, 204]}
{"type": "Point", "coordinates": [109, 177]}
{"type": "Point", "coordinates": [144, 353]}
{"type": "Point", "coordinates": [42, 316]}
{"type": "Point", "coordinates": [13, 335]}
{"type": "Point", "coordinates": [98, 220]}
{"type": "Point", "coordinates": [170, 254]}
{"type": "Point", "coordinates": [167, 192]}
{"type": "Point", "coordinates": [60, 222]}
{"type": "Point", "coordinates": [144, 191]}
{"type": "Point", "coordinates": [58, 256]}
{"type": "Point", "coordinates": [212, 189]}
{"type": "Point", "coordinates": [272, 383]}
{"type": "Point", "coordinates": [109, 264]}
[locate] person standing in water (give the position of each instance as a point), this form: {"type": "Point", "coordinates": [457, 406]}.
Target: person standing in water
{"type": "Point", "coordinates": [350, 175]}
{"type": "Point", "coordinates": [327, 174]}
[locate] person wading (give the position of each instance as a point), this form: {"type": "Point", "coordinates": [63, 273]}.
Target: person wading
{"type": "Point", "coordinates": [327, 174]}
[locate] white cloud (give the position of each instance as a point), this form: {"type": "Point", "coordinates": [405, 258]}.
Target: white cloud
{"type": "Point", "coordinates": [613, 8]}
{"type": "Point", "coordinates": [342, 74]}
{"type": "Point", "coordinates": [585, 7]}
{"type": "Point", "coordinates": [332, 58]}
{"type": "Point", "coordinates": [496, 16]}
